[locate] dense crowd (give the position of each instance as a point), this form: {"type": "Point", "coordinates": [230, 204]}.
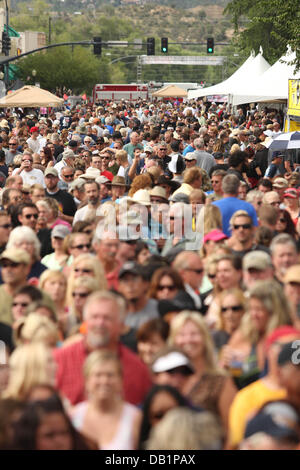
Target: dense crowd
{"type": "Point", "coordinates": [150, 278]}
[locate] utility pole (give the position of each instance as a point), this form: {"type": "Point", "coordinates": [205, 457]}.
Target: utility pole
{"type": "Point", "coordinates": [138, 69]}
{"type": "Point", "coordinates": [6, 78]}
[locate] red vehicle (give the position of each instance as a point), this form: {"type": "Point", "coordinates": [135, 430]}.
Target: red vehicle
{"type": "Point", "coordinates": [131, 92]}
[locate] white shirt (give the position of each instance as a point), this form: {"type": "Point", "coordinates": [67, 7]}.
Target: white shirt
{"type": "Point", "coordinates": [34, 145]}
{"type": "Point", "coordinates": [84, 213]}
{"type": "Point", "coordinates": [58, 166]}
{"type": "Point", "coordinates": [32, 177]}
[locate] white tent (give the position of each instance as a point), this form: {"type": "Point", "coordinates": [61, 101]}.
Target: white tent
{"type": "Point", "coordinates": [271, 86]}
{"type": "Point", "coordinates": [253, 67]}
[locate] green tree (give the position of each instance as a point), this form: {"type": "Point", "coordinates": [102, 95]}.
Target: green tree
{"type": "Point", "coordinates": [272, 24]}
{"type": "Point", "coordinates": [78, 70]}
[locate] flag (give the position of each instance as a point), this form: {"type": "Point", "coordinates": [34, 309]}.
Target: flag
{"type": "Point", "coordinates": [84, 97]}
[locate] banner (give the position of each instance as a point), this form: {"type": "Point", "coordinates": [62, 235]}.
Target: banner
{"type": "Point", "coordinates": [294, 98]}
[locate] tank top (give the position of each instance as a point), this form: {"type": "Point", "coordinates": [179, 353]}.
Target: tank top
{"type": "Point", "coordinates": [123, 439]}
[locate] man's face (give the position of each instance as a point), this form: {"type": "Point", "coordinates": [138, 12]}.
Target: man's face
{"type": "Point", "coordinates": [27, 161]}
{"type": "Point", "coordinates": [161, 151]}
{"type": "Point", "coordinates": [192, 274]}
{"type": "Point", "coordinates": [5, 229]}
{"type": "Point", "coordinates": [51, 182]}
{"type": "Point", "coordinates": [15, 197]}
{"type": "Point", "coordinates": [105, 159]}
{"type": "Point", "coordinates": [283, 257]}
{"type": "Point", "coordinates": [103, 323]}
{"type": "Point", "coordinates": [292, 292]}
{"type": "Point", "coordinates": [81, 244]}
{"type": "Point", "coordinates": [107, 249]}
{"type": "Point", "coordinates": [216, 182]}
{"type": "Point", "coordinates": [132, 287]}
{"type": "Point", "coordinates": [117, 191]}
{"type": "Point", "coordinates": [252, 275]}
{"type": "Point", "coordinates": [67, 175]}
{"type": "Point", "coordinates": [242, 229]}
{"type": "Point", "coordinates": [134, 138]}
{"type": "Point", "coordinates": [13, 145]}
{"type": "Point", "coordinates": [92, 193]}
{"type": "Point", "coordinates": [14, 273]}
{"type": "Point", "coordinates": [29, 217]}
{"type": "Point", "coordinates": [18, 183]}
{"type": "Point", "coordinates": [37, 195]}
{"type": "Point", "coordinates": [189, 163]}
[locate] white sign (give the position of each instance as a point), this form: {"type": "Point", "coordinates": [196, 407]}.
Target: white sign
{"type": "Point", "coordinates": [182, 60]}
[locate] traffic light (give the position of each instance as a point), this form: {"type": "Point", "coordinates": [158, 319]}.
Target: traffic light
{"type": "Point", "coordinates": [164, 45]}
{"type": "Point", "coordinates": [210, 45]}
{"type": "Point", "coordinates": [98, 45]}
{"type": "Point", "coordinates": [150, 46]}
{"type": "Point", "coordinates": [6, 43]}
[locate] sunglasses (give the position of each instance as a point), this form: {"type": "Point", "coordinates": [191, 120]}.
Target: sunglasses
{"type": "Point", "coordinates": [29, 216]}
{"type": "Point", "coordinates": [197, 271]}
{"type": "Point", "coordinates": [27, 160]}
{"type": "Point", "coordinates": [9, 264]}
{"type": "Point", "coordinates": [234, 308]}
{"type": "Point", "coordinates": [244, 226]}
{"type": "Point", "coordinates": [82, 295]}
{"type": "Point", "coordinates": [6, 226]}
{"type": "Point", "coordinates": [88, 231]}
{"type": "Point", "coordinates": [162, 287]}
{"type": "Point", "coordinates": [69, 176]}
{"type": "Point", "coordinates": [85, 271]}
{"type": "Point", "coordinates": [11, 143]}
{"type": "Point", "coordinates": [105, 158]}
{"type": "Point", "coordinates": [80, 247]}
{"type": "Point", "coordinates": [23, 304]}
{"type": "Point", "coordinates": [212, 276]}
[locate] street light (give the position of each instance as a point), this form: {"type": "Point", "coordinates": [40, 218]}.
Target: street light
{"type": "Point", "coordinates": [33, 73]}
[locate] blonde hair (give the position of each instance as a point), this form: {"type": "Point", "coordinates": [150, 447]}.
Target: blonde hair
{"type": "Point", "coordinates": [234, 148]}
{"type": "Point", "coordinates": [37, 328]}
{"type": "Point", "coordinates": [273, 299]}
{"type": "Point", "coordinates": [92, 263]}
{"type": "Point", "coordinates": [101, 357]}
{"type": "Point", "coordinates": [28, 367]}
{"type": "Point", "coordinates": [50, 274]}
{"type": "Point", "coordinates": [209, 218]}
{"type": "Point", "coordinates": [238, 294]}
{"type": "Point", "coordinates": [183, 429]}
{"type": "Point", "coordinates": [86, 282]}
{"type": "Point", "coordinates": [180, 320]}
{"type": "Point", "coordinates": [122, 155]}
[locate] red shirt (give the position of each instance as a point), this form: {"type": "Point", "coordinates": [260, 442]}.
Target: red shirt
{"type": "Point", "coordinates": [70, 380]}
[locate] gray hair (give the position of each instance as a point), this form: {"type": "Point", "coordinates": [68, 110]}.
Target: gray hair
{"type": "Point", "coordinates": [20, 234]}
{"type": "Point", "coordinates": [253, 195]}
{"type": "Point", "coordinates": [230, 184]}
{"type": "Point", "coordinates": [199, 143]}
{"type": "Point", "coordinates": [106, 296]}
{"type": "Point", "coordinates": [282, 239]}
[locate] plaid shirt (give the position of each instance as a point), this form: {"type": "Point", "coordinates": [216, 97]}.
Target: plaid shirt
{"type": "Point", "coordinates": [70, 380]}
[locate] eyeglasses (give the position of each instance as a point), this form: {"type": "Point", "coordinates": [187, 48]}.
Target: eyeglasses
{"type": "Point", "coordinates": [212, 276]}
{"type": "Point", "coordinates": [82, 295]}
{"type": "Point", "coordinates": [80, 247]}
{"type": "Point", "coordinates": [6, 226]}
{"type": "Point", "coordinates": [27, 160]}
{"type": "Point", "coordinates": [162, 287]}
{"type": "Point", "coordinates": [11, 143]}
{"type": "Point", "coordinates": [9, 264]}
{"type": "Point", "coordinates": [233, 308]}
{"type": "Point", "coordinates": [104, 158]}
{"type": "Point", "coordinates": [197, 271]}
{"type": "Point", "coordinates": [22, 304]}
{"type": "Point", "coordinates": [282, 220]}
{"type": "Point", "coordinates": [85, 271]}
{"type": "Point", "coordinates": [29, 216]}
{"type": "Point", "coordinates": [244, 226]}
{"type": "Point", "coordinates": [69, 176]}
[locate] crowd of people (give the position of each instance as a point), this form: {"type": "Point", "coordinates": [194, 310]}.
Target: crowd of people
{"type": "Point", "coordinates": [150, 279]}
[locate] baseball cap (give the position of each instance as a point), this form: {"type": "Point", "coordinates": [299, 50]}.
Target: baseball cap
{"type": "Point", "coordinates": [60, 231]}
{"type": "Point", "coordinates": [291, 193]}
{"type": "Point", "coordinates": [16, 256]}
{"type": "Point", "coordinates": [34, 129]}
{"type": "Point", "coordinates": [180, 197]}
{"type": "Point", "coordinates": [189, 156]}
{"type": "Point", "coordinates": [259, 260]}
{"type": "Point", "coordinates": [72, 144]}
{"type": "Point", "coordinates": [280, 183]}
{"type": "Point", "coordinates": [129, 268]}
{"type": "Point", "coordinates": [215, 235]}
{"type": "Point", "coordinates": [170, 361]}
{"type": "Point", "coordinates": [288, 354]}
{"type": "Point", "coordinates": [51, 171]}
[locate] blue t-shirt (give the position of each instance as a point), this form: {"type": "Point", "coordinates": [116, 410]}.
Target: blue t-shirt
{"type": "Point", "coordinates": [188, 149]}
{"type": "Point", "coordinates": [228, 206]}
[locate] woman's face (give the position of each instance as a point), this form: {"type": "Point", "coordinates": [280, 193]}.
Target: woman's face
{"type": "Point", "coordinates": [232, 311]}
{"type": "Point", "coordinates": [53, 433]}
{"type": "Point", "coordinates": [190, 340]}
{"type": "Point", "coordinates": [143, 256]}
{"type": "Point", "coordinates": [227, 275]}
{"type": "Point", "coordinates": [56, 288]}
{"type": "Point", "coordinates": [281, 223]}
{"type": "Point", "coordinates": [147, 349]}
{"type": "Point", "coordinates": [259, 315]}
{"type": "Point", "coordinates": [104, 381]}
{"type": "Point", "coordinates": [166, 289]}
{"type": "Point", "coordinates": [79, 295]}
{"type": "Point", "coordinates": [161, 404]}
{"type": "Point", "coordinates": [57, 243]}
{"type": "Point", "coordinates": [19, 305]}
{"type": "Point", "coordinates": [27, 246]}
{"type": "Point", "coordinates": [82, 269]}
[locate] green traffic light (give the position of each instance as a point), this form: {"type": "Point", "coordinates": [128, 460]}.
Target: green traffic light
{"type": "Point", "coordinates": [164, 49]}
{"type": "Point", "coordinates": [210, 50]}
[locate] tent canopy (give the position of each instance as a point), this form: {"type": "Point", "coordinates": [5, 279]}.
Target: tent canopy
{"type": "Point", "coordinates": [271, 86]}
{"type": "Point", "coordinates": [172, 91]}
{"type": "Point", "coordinates": [30, 97]}
{"type": "Point", "coordinates": [252, 68]}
